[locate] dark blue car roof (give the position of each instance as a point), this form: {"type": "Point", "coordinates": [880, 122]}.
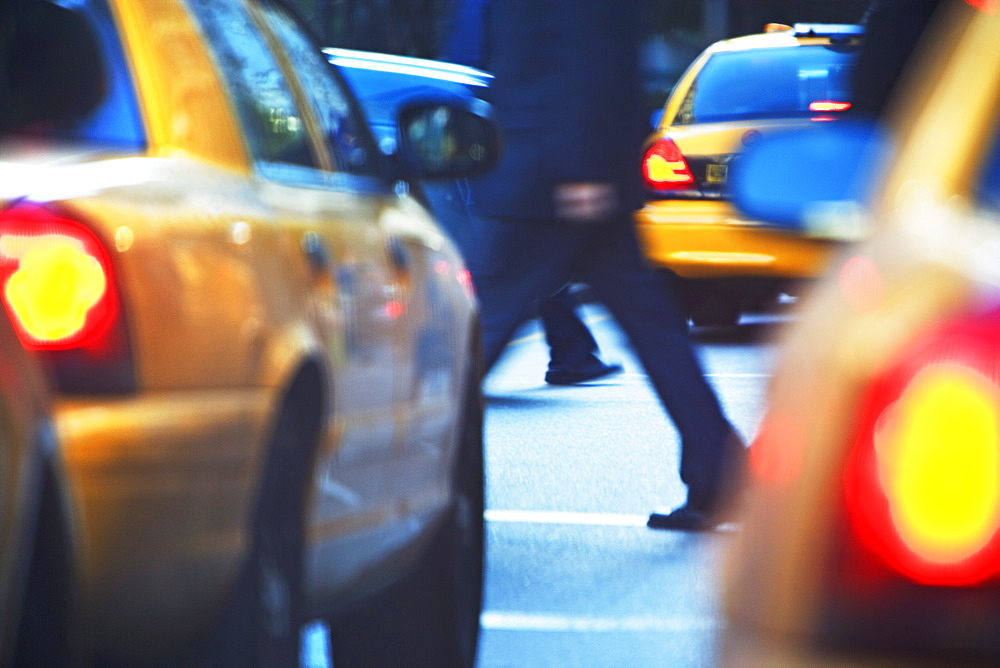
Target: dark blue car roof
{"type": "Point", "coordinates": [382, 82]}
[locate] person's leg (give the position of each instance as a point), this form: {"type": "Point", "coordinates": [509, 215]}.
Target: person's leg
{"type": "Point", "coordinates": [646, 306]}
{"type": "Point", "coordinates": [513, 263]}
{"type": "Point", "coordinates": [573, 352]}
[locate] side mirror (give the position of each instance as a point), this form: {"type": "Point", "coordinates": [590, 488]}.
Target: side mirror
{"type": "Point", "coordinates": [441, 140]}
{"type": "Point", "coordinates": [814, 180]}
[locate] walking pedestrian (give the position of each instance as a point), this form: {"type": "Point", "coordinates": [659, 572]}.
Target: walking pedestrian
{"type": "Point", "coordinates": [574, 356]}
{"type": "Point", "coordinates": [558, 207]}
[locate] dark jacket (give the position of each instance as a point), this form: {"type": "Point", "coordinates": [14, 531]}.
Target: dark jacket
{"type": "Point", "coordinates": [568, 99]}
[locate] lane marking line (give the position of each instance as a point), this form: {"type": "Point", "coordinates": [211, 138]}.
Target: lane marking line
{"type": "Point", "coordinates": [564, 517]}
{"type": "Point", "coordinates": [516, 621]}
{"type": "Point", "coordinates": [580, 519]}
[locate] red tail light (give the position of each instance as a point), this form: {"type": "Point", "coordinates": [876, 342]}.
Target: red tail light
{"type": "Point", "coordinates": [922, 483]}
{"type": "Point", "coordinates": [988, 6]}
{"type": "Point", "coordinates": [829, 105]}
{"type": "Point", "coordinates": [664, 167]}
{"type": "Point", "coordinates": [57, 284]}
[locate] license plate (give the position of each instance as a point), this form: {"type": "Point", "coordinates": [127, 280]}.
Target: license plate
{"type": "Point", "coordinates": [716, 173]}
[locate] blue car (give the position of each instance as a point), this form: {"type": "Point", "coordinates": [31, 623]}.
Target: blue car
{"type": "Point", "coordinates": [384, 83]}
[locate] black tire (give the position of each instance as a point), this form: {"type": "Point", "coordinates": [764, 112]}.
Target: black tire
{"type": "Point", "coordinates": [262, 623]}
{"type": "Point", "coordinates": [707, 302]}
{"type": "Point", "coordinates": [432, 617]}
{"type": "Point", "coordinates": [276, 560]}
{"type": "Point", "coordinates": [716, 311]}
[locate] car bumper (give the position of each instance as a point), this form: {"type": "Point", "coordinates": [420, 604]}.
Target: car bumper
{"type": "Point", "coordinates": [706, 239]}
{"type": "Point", "coordinates": [163, 489]}
{"type": "Point", "coordinates": [740, 647]}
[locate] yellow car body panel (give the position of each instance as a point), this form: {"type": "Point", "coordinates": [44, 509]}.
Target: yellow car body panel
{"type": "Point", "coordinates": [224, 306]}
{"type": "Point", "coordinates": [180, 89]}
{"type": "Point", "coordinates": [708, 239]}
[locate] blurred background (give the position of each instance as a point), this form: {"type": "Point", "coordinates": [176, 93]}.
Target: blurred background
{"type": "Point", "coordinates": [679, 29]}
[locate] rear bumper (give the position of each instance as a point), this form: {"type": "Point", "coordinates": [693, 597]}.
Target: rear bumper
{"type": "Point", "coordinates": [740, 646]}
{"type": "Point", "coordinates": [162, 487]}
{"type": "Point", "coordinates": [706, 239]}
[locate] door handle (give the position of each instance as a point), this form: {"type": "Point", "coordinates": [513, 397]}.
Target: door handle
{"type": "Point", "coordinates": [398, 254]}
{"type": "Point", "coordinates": [315, 251]}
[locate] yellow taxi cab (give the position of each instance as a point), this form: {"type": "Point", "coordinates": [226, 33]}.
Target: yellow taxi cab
{"type": "Point", "coordinates": [263, 350]}
{"type": "Point", "coordinates": [735, 91]}
{"type": "Point", "coordinates": [871, 536]}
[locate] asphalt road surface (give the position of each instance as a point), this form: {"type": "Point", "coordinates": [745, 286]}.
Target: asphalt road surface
{"type": "Point", "coordinates": [574, 577]}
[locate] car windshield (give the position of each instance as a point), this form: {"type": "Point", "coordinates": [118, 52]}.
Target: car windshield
{"type": "Point", "coordinates": [782, 82]}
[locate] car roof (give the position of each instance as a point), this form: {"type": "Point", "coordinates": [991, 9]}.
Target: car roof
{"type": "Point", "coordinates": [383, 82]}
{"type": "Point", "coordinates": [780, 35]}
{"type": "Point", "coordinates": [406, 66]}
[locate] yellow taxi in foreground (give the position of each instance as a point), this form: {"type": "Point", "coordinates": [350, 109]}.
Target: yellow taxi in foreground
{"type": "Point", "coordinates": [263, 350]}
{"type": "Point", "coordinates": [734, 92]}
{"type": "Point", "coordinates": [872, 535]}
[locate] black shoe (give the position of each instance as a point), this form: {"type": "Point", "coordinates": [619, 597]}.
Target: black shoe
{"type": "Point", "coordinates": [577, 376]}
{"type": "Point", "coordinates": [685, 518]}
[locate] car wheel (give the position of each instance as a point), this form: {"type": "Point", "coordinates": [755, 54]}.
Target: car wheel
{"type": "Point", "coordinates": [716, 311]}
{"type": "Point", "coordinates": [431, 618]}
{"type": "Point", "coordinates": [276, 558]}
{"type": "Point", "coordinates": [262, 622]}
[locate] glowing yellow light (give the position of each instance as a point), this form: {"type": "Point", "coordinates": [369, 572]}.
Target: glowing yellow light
{"type": "Point", "coordinates": [938, 463]}
{"type": "Point", "coordinates": [55, 285]}
{"type": "Point", "coordinates": [662, 170]}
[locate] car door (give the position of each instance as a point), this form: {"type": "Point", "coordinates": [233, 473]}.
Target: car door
{"type": "Point", "coordinates": [411, 307]}
{"type": "Point", "coordinates": [348, 284]}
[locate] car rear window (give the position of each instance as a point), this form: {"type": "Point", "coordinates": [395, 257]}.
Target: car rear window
{"type": "Point", "coordinates": [67, 76]}
{"type": "Point", "coordinates": [768, 83]}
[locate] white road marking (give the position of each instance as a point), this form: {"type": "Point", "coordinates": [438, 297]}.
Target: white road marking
{"type": "Point", "coordinates": [562, 517]}
{"type": "Point", "coordinates": [516, 621]}
{"type": "Point", "coordinates": [580, 519]}
{"type": "Point", "coordinates": [314, 645]}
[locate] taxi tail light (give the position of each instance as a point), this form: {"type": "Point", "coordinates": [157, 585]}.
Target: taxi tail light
{"type": "Point", "coordinates": [58, 286]}
{"type": "Point", "coordinates": [918, 565]}
{"type": "Point", "coordinates": [664, 167]}
{"type": "Point", "coordinates": [988, 6]}
{"type": "Point", "coordinates": [829, 105]}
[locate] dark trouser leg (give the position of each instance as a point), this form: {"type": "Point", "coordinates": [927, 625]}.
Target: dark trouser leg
{"type": "Point", "coordinates": [571, 345]}
{"type": "Point", "coordinates": [513, 263]}
{"type": "Point", "coordinates": [648, 309]}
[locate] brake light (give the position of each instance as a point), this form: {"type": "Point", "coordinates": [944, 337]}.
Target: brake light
{"type": "Point", "coordinates": [922, 483]}
{"type": "Point", "coordinates": [665, 168]}
{"type": "Point", "coordinates": [464, 278]}
{"type": "Point", "coordinates": [829, 105]}
{"type": "Point", "coordinates": [54, 274]}
{"type": "Point", "coordinates": [58, 287]}
{"type": "Point", "coordinates": [988, 6]}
